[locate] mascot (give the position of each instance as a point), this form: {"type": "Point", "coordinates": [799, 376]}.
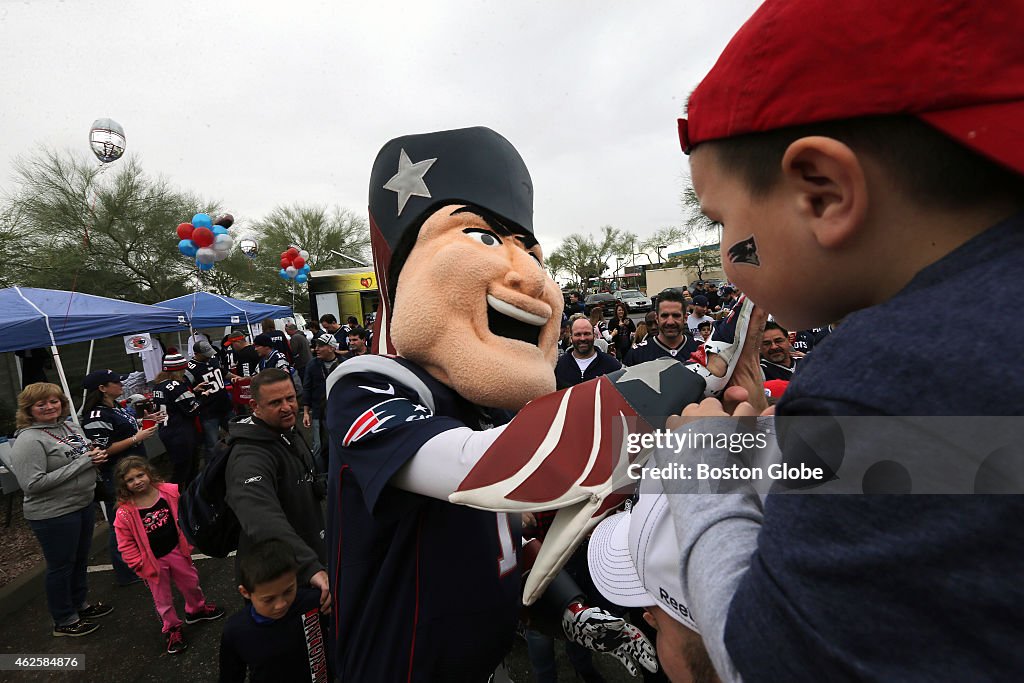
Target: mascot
{"type": "Point", "coordinates": [438, 443]}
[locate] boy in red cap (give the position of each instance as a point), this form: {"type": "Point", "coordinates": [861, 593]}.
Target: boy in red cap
{"type": "Point", "coordinates": [866, 161]}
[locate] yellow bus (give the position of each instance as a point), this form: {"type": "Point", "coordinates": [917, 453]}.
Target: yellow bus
{"type": "Point", "coordinates": [344, 292]}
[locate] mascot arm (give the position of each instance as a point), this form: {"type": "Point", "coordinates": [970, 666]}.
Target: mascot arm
{"type": "Point", "coordinates": [441, 464]}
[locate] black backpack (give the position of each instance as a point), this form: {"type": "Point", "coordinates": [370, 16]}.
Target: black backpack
{"type": "Point", "coordinates": [204, 515]}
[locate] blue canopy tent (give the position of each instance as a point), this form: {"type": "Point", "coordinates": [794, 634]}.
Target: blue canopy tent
{"type": "Point", "coordinates": [33, 318]}
{"type": "Point", "coordinates": [213, 310]}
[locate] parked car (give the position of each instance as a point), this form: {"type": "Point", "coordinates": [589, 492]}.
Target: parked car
{"type": "Point", "coordinates": [635, 300]}
{"type": "Point", "coordinates": [606, 301]}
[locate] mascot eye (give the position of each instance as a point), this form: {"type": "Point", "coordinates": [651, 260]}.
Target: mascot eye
{"type": "Point", "coordinates": [484, 237]}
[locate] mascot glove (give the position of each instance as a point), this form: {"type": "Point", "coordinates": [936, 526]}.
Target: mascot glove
{"type": "Point", "coordinates": [597, 630]}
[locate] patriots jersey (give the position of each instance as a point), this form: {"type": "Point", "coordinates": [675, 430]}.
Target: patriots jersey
{"type": "Point", "coordinates": [424, 590]}
{"type": "Point", "coordinates": [215, 400]}
{"type": "Point", "coordinates": [178, 401]}
{"type": "Point", "coordinates": [105, 426]}
{"type": "Point", "coordinates": [651, 349]}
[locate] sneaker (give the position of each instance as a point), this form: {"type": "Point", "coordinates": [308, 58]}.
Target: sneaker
{"type": "Point", "coordinates": [176, 642]}
{"type": "Point", "coordinates": [96, 609]}
{"type": "Point", "coordinates": [79, 628]}
{"type": "Point", "coordinates": [210, 613]}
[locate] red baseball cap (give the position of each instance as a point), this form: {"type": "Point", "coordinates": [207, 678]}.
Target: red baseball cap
{"type": "Point", "coordinates": [957, 65]}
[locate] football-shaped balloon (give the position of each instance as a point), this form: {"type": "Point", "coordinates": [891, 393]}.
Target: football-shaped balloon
{"type": "Point", "coordinates": [185, 231]}
{"type": "Point", "coordinates": [203, 237]}
{"type": "Point", "coordinates": [225, 219]}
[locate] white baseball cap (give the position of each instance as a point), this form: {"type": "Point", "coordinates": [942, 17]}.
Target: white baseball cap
{"type": "Point", "coordinates": [634, 557]}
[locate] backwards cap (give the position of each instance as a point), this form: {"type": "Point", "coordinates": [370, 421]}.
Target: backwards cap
{"type": "Point", "coordinates": [415, 175]}
{"type": "Point", "coordinates": [958, 65]}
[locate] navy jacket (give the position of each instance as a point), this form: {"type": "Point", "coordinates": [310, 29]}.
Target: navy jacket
{"type": "Point", "coordinates": [567, 372]}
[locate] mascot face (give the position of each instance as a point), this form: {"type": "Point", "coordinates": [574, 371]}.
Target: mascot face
{"type": "Point", "coordinates": [475, 307]}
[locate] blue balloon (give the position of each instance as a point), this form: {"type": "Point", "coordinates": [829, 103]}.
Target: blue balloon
{"type": "Point", "coordinates": [301, 278]}
{"type": "Point", "coordinates": [305, 269]}
{"type": "Point", "coordinates": [188, 248]}
{"type": "Point", "coordinates": [284, 274]}
{"type": "Point", "coordinates": [204, 266]}
{"type": "Point", "coordinates": [202, 220]}
{"type": "Point", "coordinates": [219, 230]}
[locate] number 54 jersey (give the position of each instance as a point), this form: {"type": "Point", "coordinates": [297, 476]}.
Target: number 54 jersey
{"type": "Point", "coordinates": [424, 590]}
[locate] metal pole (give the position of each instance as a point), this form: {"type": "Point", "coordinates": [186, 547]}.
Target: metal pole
{"type": "Point", "coordinates": [64, 384]}
{"type": "Point", "coordinates": [88, 367]}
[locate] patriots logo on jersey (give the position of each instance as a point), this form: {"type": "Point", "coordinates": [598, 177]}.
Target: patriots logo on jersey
{"type": "Point", "coordinates": [384, 415]}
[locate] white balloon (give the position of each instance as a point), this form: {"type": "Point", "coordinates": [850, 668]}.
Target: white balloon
{"type": "Point", "coordinates": [206, 255]}
{"type": "Point", "coordinates": [223, 242]}
{"type": "Point", "coordinates": [291, 270]}
{"type": "Point", "coordinates": [304, 254]}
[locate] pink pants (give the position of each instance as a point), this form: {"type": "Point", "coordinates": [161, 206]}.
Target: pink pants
{"type": "Point", "coordinates": [174, 566]}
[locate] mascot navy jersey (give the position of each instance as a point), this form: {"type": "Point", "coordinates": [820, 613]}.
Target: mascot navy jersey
{"type": "Point", "coordinates": [424, 590]}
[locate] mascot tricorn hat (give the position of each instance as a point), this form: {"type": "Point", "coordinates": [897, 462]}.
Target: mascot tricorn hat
{"type": "Point", "coordinates": [415, 175]}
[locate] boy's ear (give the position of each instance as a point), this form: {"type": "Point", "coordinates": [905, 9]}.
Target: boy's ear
{"type": "Point", "coordinates": [244, 593]}
{"type": "Point", "coordinates": [830, 187]}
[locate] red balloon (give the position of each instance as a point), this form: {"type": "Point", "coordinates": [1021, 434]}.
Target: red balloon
{"type": "Point", "coordinates": [293, 252]}
{"type": "Point", "coordinates": [285, 262]}
{"type": "Point", "coordinates": [203, 237]}
{"type": "Point", "coordinates": [185, 231]}
{"type": "Point", "coordinates": [298, 261]}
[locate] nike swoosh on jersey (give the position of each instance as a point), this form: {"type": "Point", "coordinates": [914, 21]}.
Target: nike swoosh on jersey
{"type": "Point", "coordinates": [390, 390]}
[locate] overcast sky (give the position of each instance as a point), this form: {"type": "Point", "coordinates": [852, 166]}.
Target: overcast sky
{"type": "Point", "coordinates": [256, 104]}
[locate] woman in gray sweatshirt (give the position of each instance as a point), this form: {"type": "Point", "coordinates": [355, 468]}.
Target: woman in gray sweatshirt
{"type": "Point", "coordinates": [56, 468]}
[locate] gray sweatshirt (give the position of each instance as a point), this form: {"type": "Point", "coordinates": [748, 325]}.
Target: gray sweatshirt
{"type": "Point", "coordinates": [53, 468]}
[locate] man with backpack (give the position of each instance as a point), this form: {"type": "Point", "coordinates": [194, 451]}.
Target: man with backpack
{"type": "Point", "coordinates": [271, 481]}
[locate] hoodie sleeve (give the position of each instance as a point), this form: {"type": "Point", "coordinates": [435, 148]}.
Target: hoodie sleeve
{"type": "Point", "coordinates": [251, 479]}
{"type": "Point", "coordinates": [28, 462]}
{"type": "Point", "coordinates": [127, 544]}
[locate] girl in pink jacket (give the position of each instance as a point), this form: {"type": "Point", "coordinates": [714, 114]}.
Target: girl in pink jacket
{"type": "Point", "coordinates": [154, 547]}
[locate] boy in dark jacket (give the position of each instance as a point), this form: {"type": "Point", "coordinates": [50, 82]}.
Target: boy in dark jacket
{"type": "Point", "coordinates": [278, 636]}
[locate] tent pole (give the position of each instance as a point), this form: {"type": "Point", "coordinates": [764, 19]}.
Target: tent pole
{"type": "Point", "coordinates": [88, 367]}
{"type": "Point", "coordinates": [64, 383]}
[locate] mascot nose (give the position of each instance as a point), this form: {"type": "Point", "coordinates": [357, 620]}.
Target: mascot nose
{"type": "Point", "coordinates": [525, 275]}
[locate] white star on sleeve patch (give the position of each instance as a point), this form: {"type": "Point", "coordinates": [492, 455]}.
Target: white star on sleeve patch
{"type": "Point", "coordinates": [409, 179]}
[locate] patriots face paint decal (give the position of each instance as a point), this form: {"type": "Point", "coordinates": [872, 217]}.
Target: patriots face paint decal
{"type": "Point", "coordinates": [384, 415]}
{"type": "Point", "coordinates": [745, 252]}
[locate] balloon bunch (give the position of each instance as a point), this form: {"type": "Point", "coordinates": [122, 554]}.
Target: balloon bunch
{"type": "Point", "coordinates": [294, 266]}
{"type": "Point", "coordinates": [205, 240]}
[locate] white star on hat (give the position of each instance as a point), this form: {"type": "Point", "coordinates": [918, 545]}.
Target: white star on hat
{"type": "Point", "coordinates": [409, 179]}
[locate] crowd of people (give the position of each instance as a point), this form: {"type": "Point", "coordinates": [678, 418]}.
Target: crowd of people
{"type": "Point", "coordinates": [872, 197]}
{"type": "Point", "coordinates": [241, 396]}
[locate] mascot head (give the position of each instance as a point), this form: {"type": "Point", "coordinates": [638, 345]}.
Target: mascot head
{"type": "Point", "coordinates": [463, 288]}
